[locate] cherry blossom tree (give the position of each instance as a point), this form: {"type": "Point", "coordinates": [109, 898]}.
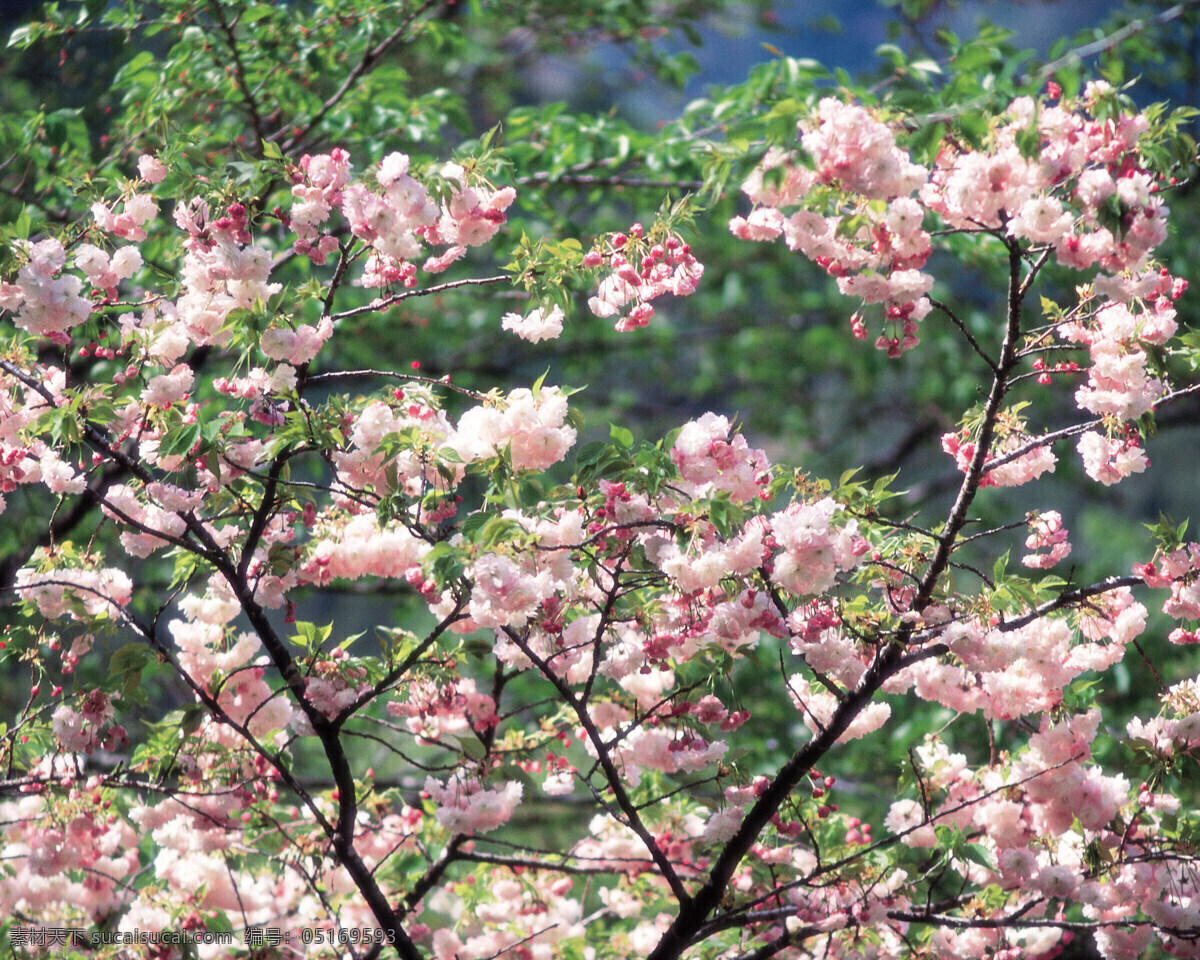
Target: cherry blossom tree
{"type": "Point", "coordinates": [552, 745]}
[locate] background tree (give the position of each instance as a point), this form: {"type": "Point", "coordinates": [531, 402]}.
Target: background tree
{"type": "Point", "coordinates": [555, 737]}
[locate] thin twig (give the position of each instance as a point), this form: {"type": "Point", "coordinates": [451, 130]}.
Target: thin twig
{"type": "Point", "coordinates": [1114, 39]}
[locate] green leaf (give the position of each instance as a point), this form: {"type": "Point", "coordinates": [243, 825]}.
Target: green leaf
{"type": "Point", "coordinates": [218, 923]}
{"type": "Point", "coordinates": [190, 722]}
{"type": "Point", "coordinates": [179, 442]}
{"type": "Point", "coordinates": [977, 853]}
{"type": "Point", "coordinates": [255, 13]}
{"type": "Point", "coordinates": [473, 749]}
{"type": "Point", "coordinates": [620, 436]}
{"type": "Point", "coordinates": [131, 657]}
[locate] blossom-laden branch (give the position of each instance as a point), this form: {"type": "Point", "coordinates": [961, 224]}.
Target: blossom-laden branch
{"type": "Point", "coordinates": [583, 632]}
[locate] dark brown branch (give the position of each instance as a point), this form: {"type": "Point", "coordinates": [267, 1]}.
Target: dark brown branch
{"type": "Point", "coordinates": [611, 774]}
{"type": "Point", "coordinates": [1114, 39]}
{"type": "Point", "coordinates": [239, 75]}
{"type": "Point", "coordinates": [692, 916]}
{"type": "Point", "coordinates": [385, 302]}
{"type": "Point", "coordinates": [370, 57]}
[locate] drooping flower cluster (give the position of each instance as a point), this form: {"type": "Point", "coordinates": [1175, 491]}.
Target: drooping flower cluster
{"type": "Point", "coordinates": [643, 267]}
{"type": "Point", "coordinates": [464, 806]}
{"type": "Point", "coordinates": [1047, 539]}
{"type": "Point", "coordinates": [877, 249]}
{"type": "Point", "coordinates": [399, 222]}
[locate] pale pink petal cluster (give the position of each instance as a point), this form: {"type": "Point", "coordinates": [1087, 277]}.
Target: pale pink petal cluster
{"type": "Point", "coordinates": [432, 712]}
{"type": "Point", "coordinates": [43, 303]}
{"type": "Point", "coordinates": [87, 860]}
{"type": "Point", "coordinates": [317, 191]}
{"type": "Point", "coordinates": [464, 805]}
{"type": "Point", "coordinates": [1177, 570]}
{"type": "Point", "coordinates": [665, 751]}
{"type": "Point", "coordinates": [168, 388]}
{"type": "Point", "coordinates": [852, 149]}
{"type": "Point", "coordinates": [813, 546]}
{"type": "Point", "coordinates": [1047, 539]}
{"type": "Point", "coordinates": [151, 169]}
{"type": "Point", "coordinates": [75, 592]}
{"type": "Point", "coordinates": [504, 594]}
{"type": "Point", "coordinates": [1110, 460]}
{"type": "Point", "coordinates": [535, 326]}
{"type": "Point", "coordinates": [352, 547]}
{"type": "Point", "coordinates": [85, 729]}
{"type": "Point", "coordinates": [1008, 673]}
{"type": "Point", "coordinates": [222, 272]}
{"type": "Point", "coordinates": [711, 461]}
{"type": "Point", "coordinates": [106, 271]}
{"type": "Point", "coordinates": [1016, 472]}
{"type": "Point", "coordinates": [878, 255]}
{"type": "Point", "coordinates": [137, 210]}
{"type": "Point", "coordinates": [296, 345]}
{"type": "Point", "coordinates": [642, 269]}
{"type": "Point", "coordinates": [531, 428]}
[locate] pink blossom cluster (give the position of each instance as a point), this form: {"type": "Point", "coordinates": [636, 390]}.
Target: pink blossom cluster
{"type": "Point", "coordinates": [1177, 571]}
{"type": "Point", "coordinates": [42, 302]}
{"type": "Point", "coordinates": [643, 267]}
{"type": "Point", "coordinates": [1058, 195]}
{"type": "Point", "coordinates": [465, 806]}
{"type": "Point", "coordinates": [222, 272]}
{"type": "Point", "coordinates": [856, 216]}
{"type": "Point", "coordinates": [349, 548]}
{"type": "Point", "coordinates": [666, 751]}
{"type": "Point", "coordinates": [89, 727]}
{"type": "Point", "coordinates": [1119, 388]}
{"type": "Point", "coordinates": [1110, 460]}
{"type": "Point", "coordinates": [297, 344]}
{"type": "Point", "coordinates": [198, 862]}
{"type": "Point", "coordinates": [1011, 673]}
{"type": "Point", "coordinates": [24, 457]}
{"type": "Point", "coordinates": [76, 592]}
{"type": "Point", "coordinates": [433, 712]}
{"type": "Point", "coordinates": [137, 209]}
{"type": "Point", "coordinates": [1118, 385]}
{"type": "Point", "coordinates": [1174, 731]}
{"type": "Point", "coordinates": [317, 187]}
{"type": "Point", "coordinates": [151, 170]}
{"type": "Point", "coordinates": [1036, 818]}
{"type": "Point", "coordinates": [71, 859]}
{"type": "Point", "coordinates": [532, 915]}
{"type": "Point", "coordinates": [504, 593]}
{"type": "Point", "coordinates": [853, 212]}
{"type": "Point", "coordinates": [530, 428]}
{"type": "Point", "coordinates": [1010, 437]}
{"type": "Point", "coordinates": [396, 223]}
{"type": "Point", "coordinates": [853, 150]}
{"type": "Point", "coordinates": [1047, 539]}
{"type": "Point", "coordinates": [537, 325]}
{"type": "Point", "coordinates": [815, 544]}
{"type": "Point", "coordinates": [711, 461]}
{"type": "Point", "coordinates": [106, 271]}
{"type": "Point", "coordinates": [367, 464]}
